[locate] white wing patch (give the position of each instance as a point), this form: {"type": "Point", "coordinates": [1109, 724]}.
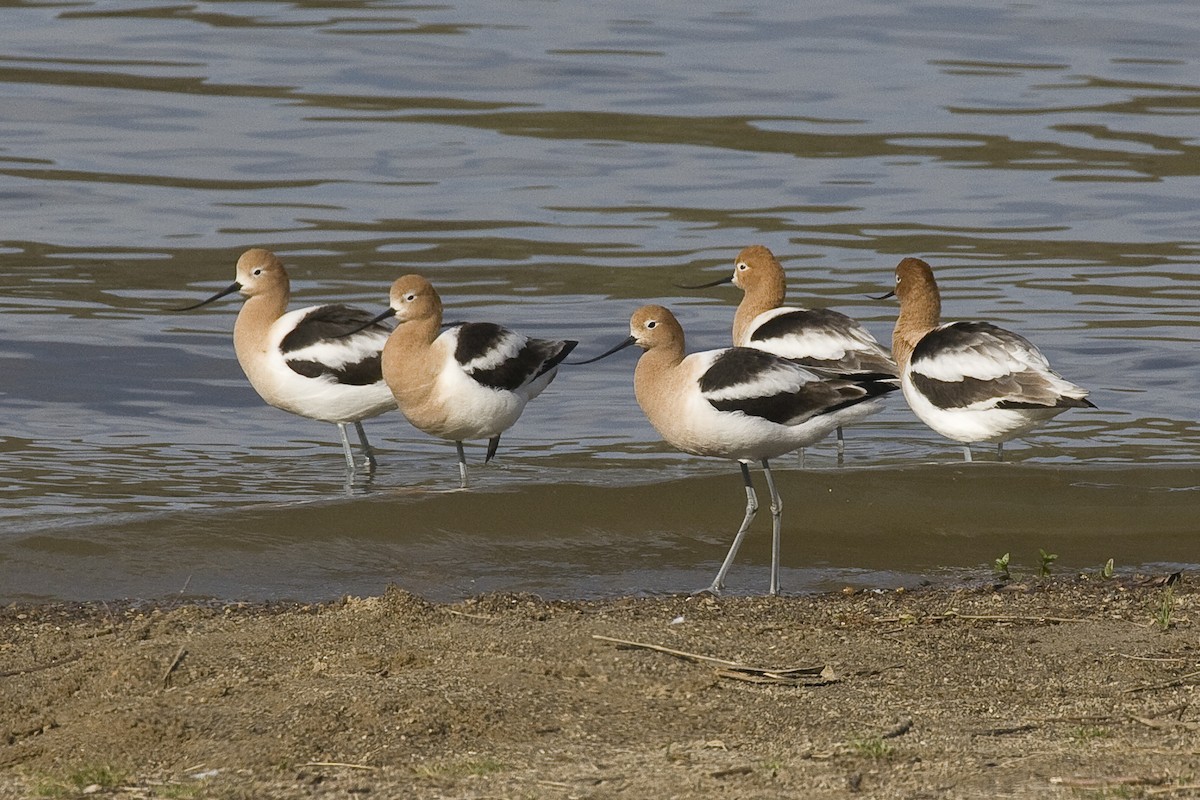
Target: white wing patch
{"type": "Point", "coordinates": [337, 353]}
{"type": "Point", "coordinates": [778, 377]}
{"type": "Point", "coordinates": [812, 334]}
{"type": "Point", "coordinates": [822, 345]}
{"type": "Point", "coordinates": [506, 348]}
{"type": "Point", "coordinates": [985, 357]}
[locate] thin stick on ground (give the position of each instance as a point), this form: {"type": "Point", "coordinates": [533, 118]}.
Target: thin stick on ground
{"type": "Point", "coordinates": [948, 615]}
{"type": "Point", "coordinates": [1183, 787]}
{"type": "Point", "coordinates": [1105, 783]}
{"type": "Point", "coordinates": [174, 665]}
{"type": "Point", "coordinates": [39, 667]}
{"type": "Point", "coordinates": [660, 649]}
{"type": "Point", "coordinates": [1171, 684]}
{"type": "Point", "coordinates": [820, 675]}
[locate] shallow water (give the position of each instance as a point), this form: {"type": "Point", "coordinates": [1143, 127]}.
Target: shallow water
{"type": "Point", "coordinates": [551, 166]}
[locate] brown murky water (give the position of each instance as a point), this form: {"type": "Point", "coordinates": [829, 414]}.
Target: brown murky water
{"type": "Point", "coordinates": [551, 167]}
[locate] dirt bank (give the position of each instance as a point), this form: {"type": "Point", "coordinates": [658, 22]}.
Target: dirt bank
{"type": "Point", "coordinates": [1072, 688]}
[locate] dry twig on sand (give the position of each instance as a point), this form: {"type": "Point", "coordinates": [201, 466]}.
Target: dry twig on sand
{"type": "Point", "coordinates": [793, 676]}
{"type": "Point", "coordinates": [999, 618]}
{"type": "Point", "coordinates": [174, 665]}
{"type": "Point", "coordinates": [1171, 684]}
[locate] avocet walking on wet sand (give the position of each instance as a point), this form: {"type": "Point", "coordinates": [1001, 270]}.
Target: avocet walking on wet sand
{"type": "Point", "coordinates": [738, 403]}
{"type": "Point", "coordinates": [471, 381]}
{"type": "Point", "coordinates": [814, 337]}
{"type": "Point", "coordinates": [321, 362]}
{"type": "Point", "coordinates": [971, 381]}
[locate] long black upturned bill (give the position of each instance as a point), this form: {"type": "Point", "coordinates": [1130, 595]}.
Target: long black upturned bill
{"type": "Point", "coordinates": [726, 279]}
{"type": "Point", "coordinates": [377, 318]}
{"type": "Point", "coordinates": [605, 354]}
{"type": "Point", "coordinates": [230, 289]}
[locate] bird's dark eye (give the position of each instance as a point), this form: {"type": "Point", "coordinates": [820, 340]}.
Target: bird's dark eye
{"type": "Point", "coordinates": [742, 266]}
{"type": "Point", "coordinates": [257, 271]}
{"type": "Point", "coordinates": [410, 297]}
{"type": "Point", "coordinates": [651, 324]}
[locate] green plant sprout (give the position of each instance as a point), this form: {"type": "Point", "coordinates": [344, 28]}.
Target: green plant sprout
{"type": "Point", "coordinates": [1047, 559]}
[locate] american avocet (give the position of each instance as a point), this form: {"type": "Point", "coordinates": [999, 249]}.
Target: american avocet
{"type": "Point", "coordinates": [471, 381]}
{"type": "Point", "coordinates": [814, 337]}
{"type": "Point", "coordinates": [738, 403]}
{"type": "Point", "coordinates": [971, 381]}
{"type": "Point", "coordinates": [303, 361]}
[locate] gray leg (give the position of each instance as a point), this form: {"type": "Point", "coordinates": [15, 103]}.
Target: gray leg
{"type": "Point", "coordinates": [751, 508]}
{"type": "Point", "coordinates": [841, 442]}
{"type": "Point", "coordinates": [362, 437]}
{"type": "Point", "coordinates": [776, 525]}
{"type": "Point", "coordinates": [462, 464]}
{"type": "Point", "coordinates": [999, 451]}
{"type": "Point", "coordinates": [966, 452]}
{"type": "Point", "coordinates": [346, 446]}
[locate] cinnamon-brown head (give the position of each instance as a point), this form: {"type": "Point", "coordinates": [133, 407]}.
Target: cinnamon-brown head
{"type": "Point", "coordinates": [411, 360]}
{"type": "Point", "coordinates": [260, 272]}
{"type": "Point", "coordinates": [759, 274]}
{"type": "Point", "coordinates": [414, 299]}
{"type": "Point", "coordinates": [656, 328]}
{"type": "Point", "coordinates": [659, 385]}
{"type": "Point", "coordinates": [920, 307]}
{"type": "Point", "coordinates": [263, 281]}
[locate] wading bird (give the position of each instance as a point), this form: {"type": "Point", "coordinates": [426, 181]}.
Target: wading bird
{"type": "Point", "coordinates": [822, 338]}
{"type": "Point", "coordinates": [321, 362]}
{"type": "Point", "coordinates": [971, 381]}
{"type": "Point", "coordinates": [471, 381]}
{"type": "Point", "coordinates": [737, 403]}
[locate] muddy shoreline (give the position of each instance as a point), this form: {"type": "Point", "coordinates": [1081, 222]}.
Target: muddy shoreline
{"type": "Point", "coordinates": [1062, 688]}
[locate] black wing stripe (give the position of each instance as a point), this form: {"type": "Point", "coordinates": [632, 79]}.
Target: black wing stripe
{"type": "Point", "coordinates": [735, 367]}
{"type": "Point", "coordinates": [328, 322]}
{"type": "Point", "coordinates": [806, 399]}
{"type": "Point", "coordinates": [1061, 402]}
{"type": "Point", "coordinates": [476, 340]}
{"type": "Point", "coordinates": [780, 408]}
{"type": "Point", "coordinates": [963, 393]}
{"type": "Point", "coordinates": [802, 321]}
{"type": "Point", "coordinates": [359, 373]}
{"type": "Point", "coordinates": [961, 337]}
{"type": "Point", "coordinates": [534, 358]}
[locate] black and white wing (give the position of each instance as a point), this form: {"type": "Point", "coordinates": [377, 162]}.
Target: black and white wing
{"type": "Point", "coordinates": [821, 338]}
{"type": "Point", "coordinates": [498, 358]}
{"type": "Point", "coordinates": [760, 384]}
{"type": "Point", "coordinates": [978, 365]}
{"type": "Point", "coordinates": [317, 346]}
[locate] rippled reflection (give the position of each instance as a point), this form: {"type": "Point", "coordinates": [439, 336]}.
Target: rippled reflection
{"type": "Point", "coordinates": [552, 167]}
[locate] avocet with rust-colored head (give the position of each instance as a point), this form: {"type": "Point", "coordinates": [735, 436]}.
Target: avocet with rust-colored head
{"type": "Point", "coordinates": [738, 403]}
{"type": "Point", "coordinates": [308, 361]}
{"type": "Point", "coordinates": [820, 338]}
{"type": "Point", "coordinates": [971, 381]}
{"type": "Point", "coordinates": [470, 381]}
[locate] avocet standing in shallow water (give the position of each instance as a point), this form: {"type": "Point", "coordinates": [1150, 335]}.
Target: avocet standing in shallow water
{"type": "Point", "coordinates": [471, 381]}
{"type": "Point", "coordinates": [738, 403]}
{"type": "Point", "coordinates": [971, 381]}
{"type": "Point", "coordinates": [307, 361]}
{"type": "Point", "coordinates": [813, 337]}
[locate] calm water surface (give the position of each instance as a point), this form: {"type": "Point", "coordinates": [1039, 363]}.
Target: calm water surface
{"type": "Point", "coordinates": [551, 166]}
